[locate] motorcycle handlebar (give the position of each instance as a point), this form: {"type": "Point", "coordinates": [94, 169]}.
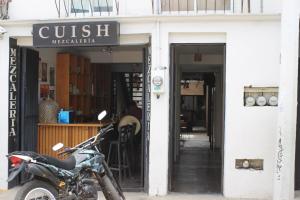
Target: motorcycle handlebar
{"type": "Point", "coordinates": [106, 129]}
{"type": "Point", "coordinates": [90, 142]}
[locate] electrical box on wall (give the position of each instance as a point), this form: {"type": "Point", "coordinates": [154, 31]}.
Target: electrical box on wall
{"type": "Point", "coordinates": [158, 81]}
{"type": "Point", "coordinates": [255, 164]}
{"type": "Point", "coordinates": [260, 96]}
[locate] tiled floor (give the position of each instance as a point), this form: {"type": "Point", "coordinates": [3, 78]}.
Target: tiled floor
{"type": "Point", "coordinates": [198, 170]}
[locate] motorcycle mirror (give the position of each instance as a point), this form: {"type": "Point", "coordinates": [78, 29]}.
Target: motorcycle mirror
{"type": "Point", "coordinates": [58, 146]}
{"type": "Point", "coordinates": [102, 115]}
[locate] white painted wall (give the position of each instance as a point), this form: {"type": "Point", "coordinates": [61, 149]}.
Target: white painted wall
{"type": "Point", "coordinates": [136, 7]}
{"type": "Point", "coordinates": [252, 57]}
{"type": "Point", "coordinates": [284, 168]}
{"type": "Point", "coordinates": [249, 132]}
{"type": "Point", "coordinates": [4, 63]}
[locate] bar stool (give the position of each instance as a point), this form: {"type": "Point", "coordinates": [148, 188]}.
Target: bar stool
{"type": "Point", "coordinates": [121, 163]}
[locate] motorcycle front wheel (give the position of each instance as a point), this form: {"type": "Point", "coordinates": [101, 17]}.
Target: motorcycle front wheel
{"type": "Point", "coordinates": [35, 190]}
{"type": "Point", "coordinates": [109, 190]}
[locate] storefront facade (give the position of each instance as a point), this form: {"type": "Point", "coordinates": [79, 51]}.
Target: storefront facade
{"type": "Point", "coordinates": [251, 56]}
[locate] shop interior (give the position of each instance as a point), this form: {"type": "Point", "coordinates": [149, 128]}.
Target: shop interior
{"type": "Point", "coordinates": [198, 107]}
{"type": "Point", "coordinates": [72, 86]}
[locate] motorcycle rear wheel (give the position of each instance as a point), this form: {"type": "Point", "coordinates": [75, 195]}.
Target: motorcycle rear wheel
{"type": "Point", "coordinates": [37, 189]}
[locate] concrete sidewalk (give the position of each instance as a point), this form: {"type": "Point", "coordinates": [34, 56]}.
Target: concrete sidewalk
{"type": "Point", "coordinates": [10, 194]}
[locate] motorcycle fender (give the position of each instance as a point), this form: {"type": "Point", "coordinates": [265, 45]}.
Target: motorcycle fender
{"type": "Point", "coordinates": [41, 171]}
{"type": "Point", "coordinates": [16, 171]}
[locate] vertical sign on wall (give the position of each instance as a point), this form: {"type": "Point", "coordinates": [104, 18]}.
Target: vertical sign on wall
{"type": "Point", "coordinates": [148, 93]}
{"type": "Point", "coordinates": [147, 110]}
{"type": "Point", "coordinates": [13, 96]}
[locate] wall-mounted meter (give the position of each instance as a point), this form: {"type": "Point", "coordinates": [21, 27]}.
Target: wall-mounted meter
{"type": "Point", "coordinates": [158, 81]}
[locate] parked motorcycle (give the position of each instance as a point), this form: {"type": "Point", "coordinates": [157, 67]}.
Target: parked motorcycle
{"type": "Point", "coordinates": [75, 178]}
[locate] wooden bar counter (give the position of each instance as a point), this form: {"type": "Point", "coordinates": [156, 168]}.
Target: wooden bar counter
{"type": "Point", "coordinates": [68, 134]}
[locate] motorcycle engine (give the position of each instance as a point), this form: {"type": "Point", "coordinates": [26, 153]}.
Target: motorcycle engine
{"type": "Point", "coordinates": [88, 191]}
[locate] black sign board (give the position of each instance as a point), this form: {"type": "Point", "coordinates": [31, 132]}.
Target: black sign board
{"type": "Point", "coordinates": [76, 34]}
{"type": "Point", "coordinates": [13, 92]}
{"type": "Point", "coordinates": [13, 99]}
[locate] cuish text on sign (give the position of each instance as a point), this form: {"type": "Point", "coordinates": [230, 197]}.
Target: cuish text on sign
{"type": "Point", "coordinates": [76, 34]}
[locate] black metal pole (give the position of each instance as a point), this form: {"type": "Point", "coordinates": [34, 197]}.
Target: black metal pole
{"type": "Point", "coordinates": [107, 7]}
{"type": "Point", "coordinates": [91, 6]}
{"type": "Point", "coordinates": [82, 7]}
{"type": "Point", "coordinates": [58, 12]}
{"type": "Point", "coordinates": [249, 6]}
{"type": "Point", "coordinates": [66, 9]}
{"type": "Point", "coordinates": [99, 7]}
{"type": "Point", "coordinates": [72, 4]}
{"type": "Point", "coordinates": [215, 6]}
{"type": "Point", "coordinates": [187, 6]}
{"type": "Point", "coordinates": [117, 6]}
{"type": "Point", "coordinates": [152, 7]}
{"type": "Point", "coordinates": [242, 6]}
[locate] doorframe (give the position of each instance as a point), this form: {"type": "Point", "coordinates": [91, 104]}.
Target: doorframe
{"type": "Point", "coordinates": [146, 112]}
{"type": "Point", "coordinates": [172, 120]}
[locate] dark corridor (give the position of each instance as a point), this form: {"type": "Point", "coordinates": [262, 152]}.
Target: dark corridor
{"type": "Point", "coordinates": [198, 107]}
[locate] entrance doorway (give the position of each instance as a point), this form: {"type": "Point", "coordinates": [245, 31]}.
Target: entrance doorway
{"type": "Point", "coordinates": [196, 139]}
{"type": "Point", "coordinates": [83, 81]}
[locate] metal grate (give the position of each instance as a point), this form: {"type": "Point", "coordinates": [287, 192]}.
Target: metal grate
{"type": "Point", "coordinates": [65, 8]}
{"type": "Point", "coordinates": [226, 6]}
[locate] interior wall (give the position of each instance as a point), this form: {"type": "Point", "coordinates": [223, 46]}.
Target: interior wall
{"type": "Point", "coordinates": [177, 107]}
{"type": "Point", "coordinates": [123, 59]}
{"type": "Point", "coordinates": [219, 111]}
{"type": "Point", "coordinates": [115, 57]}
{"type": "Point", "coordinates": [4, 71]}
{"type": "Point", "coordinates": [207, 59]}
{"type": "Point", "coordinates": [47, 56]}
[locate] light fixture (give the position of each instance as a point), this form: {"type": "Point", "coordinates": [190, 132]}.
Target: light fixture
{"type": "Point", "coordinates": [107, 50]}
{"type": "Point", "coordinates": [198, 56]}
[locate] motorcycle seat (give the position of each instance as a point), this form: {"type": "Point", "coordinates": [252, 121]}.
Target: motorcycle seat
{"type": "Point", "coordinates": [67, 164]}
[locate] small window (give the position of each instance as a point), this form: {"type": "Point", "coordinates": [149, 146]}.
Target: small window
{"type": "Point", "coordinates": [80, 6]}
{"type": "Point", "coordinates": [102, 5]}
{"type": "Point", "coordinates": [86, 6]}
